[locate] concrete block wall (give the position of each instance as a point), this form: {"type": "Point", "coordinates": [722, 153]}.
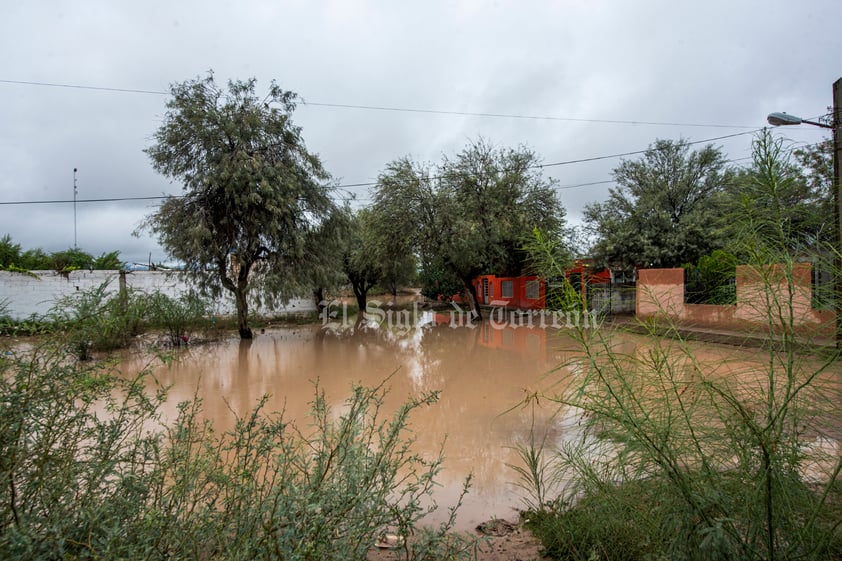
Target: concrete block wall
{"type": "Point", "coordinates": [660, 292]}
{"type": "Point", "coordinates": [25, 296]}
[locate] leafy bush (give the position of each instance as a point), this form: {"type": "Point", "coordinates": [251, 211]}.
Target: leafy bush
{"type": "Point", "coordinates": [85, 474]}
{"type": "Point", "coordinates": [97, 320]}
{"type": "Point", "coordinates": [712, 280]}
{"type": "Point", "coordinates": [176, 315]}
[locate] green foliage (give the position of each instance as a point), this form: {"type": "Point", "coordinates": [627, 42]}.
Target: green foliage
{"type": "Point", "coordinates": [256, 213]}
{"type": "Point", "coordinates": [71, 259]}
{"type": "Point", "coordinates": [687, 456]}
{"type": "Point", "coordinates": [712, 280]}
{"type": "Point", "coordinates": [436, 282]}
{"type": "Point", "coordinates": [12, 327]}
{"type": "Point", "coordinates": [108, 262]}
{"type": "Point", "coordinates": [36, 260]}
{"type": "Point", "coordinates": [9, 251]}
{"type": "Point", "coordinates": [547, 256]}
{"type": "Point", "coordinates": [23, 328]}
{"type": "Point", "coordinates": [178, 316]}
{"type": "Point", "coordinates": [617, 523]}
{"type": "Point", "coordinates": [470, 214]}
{"type": "Point", "coordinates": [21, 270]}
{"type": "Point", "coordinates": [87, 475]}
{"type": "Point", "coordinates": [776, 208]}
{"type": "Point", "coordinates": [665, 209]}
{"type": "Point", "coordinates": [362, 261]}
{"type": "Point", "coordinates": [536, 472]}
{"type": "Point", "coordinates": [13, 259]}
{"type": "Point", "coordinates": [96, 320]}
{"type": "Point", "coordinates": [74, 480]}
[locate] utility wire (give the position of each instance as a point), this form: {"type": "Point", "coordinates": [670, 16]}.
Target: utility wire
{"type": "Point", "coordinates": [527, 117]}
{"type": "Point", "coordinates": [81, 87]}
{"type": "Point", "coordinates": [373, 183]}
{"type": "Point", "coordinates": [107, 200]}
{"type": "Point", "coordinates": [304, 102]}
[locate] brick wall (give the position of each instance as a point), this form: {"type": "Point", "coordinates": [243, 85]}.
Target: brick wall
{"type": "Point", "coordinates": [660, 293]}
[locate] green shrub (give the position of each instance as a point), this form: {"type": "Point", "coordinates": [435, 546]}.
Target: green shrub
{"type": "Point", "coordinates": [96, 320]}
{"type": "Point", "coordinates": [178, 316]}
{"type": "Point", "coordinates": [617, 523]}
{"type": "Point", "coordinates": [85, 474]}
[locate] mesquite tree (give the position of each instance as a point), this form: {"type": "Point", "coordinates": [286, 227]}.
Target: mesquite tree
{"type": "Point", "coordinates": [471, 214]}
{"type": "Point", "coordinates": [255, 210]}
{"type": "Point", "coordinates": [665, 209]}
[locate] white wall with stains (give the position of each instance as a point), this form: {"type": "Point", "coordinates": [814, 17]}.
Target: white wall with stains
{"type": "Point", "coordinates": [24, 295]}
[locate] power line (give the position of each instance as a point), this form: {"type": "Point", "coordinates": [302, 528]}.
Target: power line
{"type": "Point", "coordinates": [526, 117]}
{"type": "Point", "coordinates": [373, 183]}
{"type": "Point", "coordinates": [107, 200]}
{"type": "Point", "coordinates": [82, 87]}
{"type": "Point", "coordinates": [637, 152]}
{"type": "Point", "coordinates": [304, 102]}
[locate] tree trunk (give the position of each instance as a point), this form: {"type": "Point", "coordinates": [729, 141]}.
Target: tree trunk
{"type": "Point", "coordinates": [473, 299]}
{"type": "Point", "coordinates": [360, 291]}
{"type": "Point", "coordinates": [243, 313]}
{"type": "Point", "coordinates": [319, 297]}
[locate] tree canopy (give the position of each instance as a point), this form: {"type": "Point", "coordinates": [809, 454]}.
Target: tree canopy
{"type": "Point", "coordinates": [782, 200]}
{"type": "Point", "coordinates": [665, 209]}
{"type": "Point", "coordinates": [256, 209]}
{"type": "Point", "coordinates": [470, 214]}
{"type": "Point", "coordinates": [12, 257]}
{"type": "Point", "coordinates": [361, 260]}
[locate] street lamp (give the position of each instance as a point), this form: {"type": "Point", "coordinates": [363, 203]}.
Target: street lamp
{"type": "Point", "coordinates": [783, 119]}
{"type": "Point", "coordinates": [778, 119]}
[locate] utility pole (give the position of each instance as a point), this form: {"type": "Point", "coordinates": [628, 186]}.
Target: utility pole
{"type": "Point", "coordinates": [836, 124]}
{"type": "Point", "coordinates": [778, 119]}
{"type": "Point", "coordinates": [75, 191]}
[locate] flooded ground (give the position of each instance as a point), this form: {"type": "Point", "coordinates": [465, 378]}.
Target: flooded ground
{"type": "Point", "coordinates": [484, 374]}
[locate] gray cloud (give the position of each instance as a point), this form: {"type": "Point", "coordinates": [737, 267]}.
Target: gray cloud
{"type": "Point", "coordinates": [712, 62]}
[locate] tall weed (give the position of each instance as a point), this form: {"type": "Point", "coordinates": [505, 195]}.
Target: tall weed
{"type": "Point", "coordinates": [684, 456]}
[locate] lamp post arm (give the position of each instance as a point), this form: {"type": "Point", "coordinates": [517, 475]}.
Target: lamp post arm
{"type": "Point", "coordinates": [817, 124]}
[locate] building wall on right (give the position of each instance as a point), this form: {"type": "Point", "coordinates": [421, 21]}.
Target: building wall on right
{"type": "Point", "coordinates": [762, 293]}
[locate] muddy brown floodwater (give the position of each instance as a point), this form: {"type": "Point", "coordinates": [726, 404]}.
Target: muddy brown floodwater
{"type": "Point", "coordinates": [484, 374]}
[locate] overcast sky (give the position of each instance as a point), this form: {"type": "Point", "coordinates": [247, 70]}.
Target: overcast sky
{"type": "Point", "coordinates": [573, 63]}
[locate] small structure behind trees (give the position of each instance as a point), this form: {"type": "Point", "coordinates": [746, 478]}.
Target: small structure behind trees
{"type": "Point", "coordinates": [471, 214]}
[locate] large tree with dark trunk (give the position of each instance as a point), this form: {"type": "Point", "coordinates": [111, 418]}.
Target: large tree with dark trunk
{"type": "Point", "coordinates": [472, 214]}
{"type": "Point", "coordinates": [361, 261]}
{"type": "Point", "coordinates": [255, 211]}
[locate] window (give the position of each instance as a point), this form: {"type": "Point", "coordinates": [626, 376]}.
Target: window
{"type": "Point", "coordinates": [533, 289]}
{"type": "Point", "coordinates": [508, 289]}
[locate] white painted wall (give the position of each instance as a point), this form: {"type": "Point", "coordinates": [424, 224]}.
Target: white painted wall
{"type": "Point", "coordinates": [25, 296]}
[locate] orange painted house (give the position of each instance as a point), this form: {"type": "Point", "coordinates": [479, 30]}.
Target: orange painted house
{"type": "Point", "coordinates": [526, 293]}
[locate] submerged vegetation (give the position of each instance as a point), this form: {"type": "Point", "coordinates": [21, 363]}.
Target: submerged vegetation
{"type": "Point", "coordinates": [99, 319]}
